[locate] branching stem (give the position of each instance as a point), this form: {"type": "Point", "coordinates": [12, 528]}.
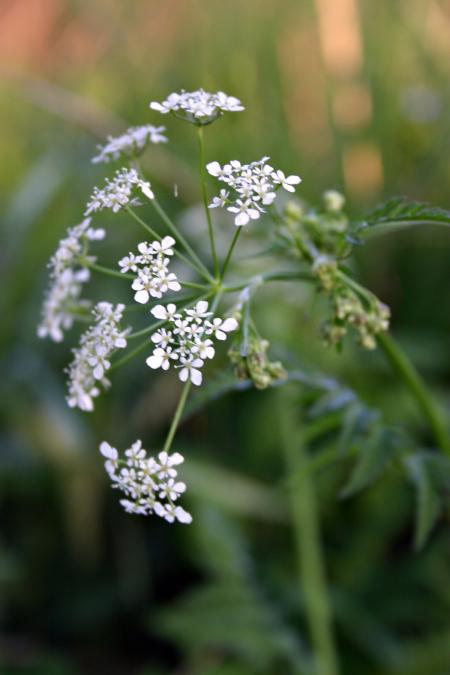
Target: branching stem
{"type": "Point", "coordinates": [177, 416]}
{"type": "Point", "coordinates": [306, 526]}
{"type": "Point", "coordinates": [404, 367]}
{"type": "Point", "coordinates": [202, 170]}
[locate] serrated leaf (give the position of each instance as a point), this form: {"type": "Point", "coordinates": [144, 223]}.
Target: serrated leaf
{"type": "Point", "coordinates": [373, 459]}
{"type": "Point", "coordinates": [399, 213]}
{"type": "Point", "coordinates": [428, 498]}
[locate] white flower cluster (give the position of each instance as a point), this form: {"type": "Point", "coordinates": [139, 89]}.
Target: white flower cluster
{"type": "Point", "coordinates": [188, 342]}
{"type": "Point", "coordinates": [254, 186]}
{"type": "Point", "coordinates": [149, 484]}
{"type": "Point", "coordinates": [130, 144]}
{"type": "Point", "coordinates": [68, 275]}
{"type": "Point", "coordinates": [119, 192]}
{"type": "Point", "coordinates": [199, 107]}
{"type": "Point", "coordinates": [91, 358]}
{"type": "Point", "coordinates": [152, 267]}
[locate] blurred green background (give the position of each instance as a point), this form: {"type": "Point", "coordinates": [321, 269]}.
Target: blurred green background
{"type": "Point", "coordinates": [350, 94]}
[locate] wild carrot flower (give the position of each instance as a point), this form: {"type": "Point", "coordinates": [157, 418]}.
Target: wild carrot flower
{"type": "Point", "coordinates": [152, 267]}
{"type": "Point", "coordinates": [149, 484]}
{"type": "Point", "coordinates": [253, 187]}
{"type": "Point", "coordinates": [199, 107]}
{"type": "Point", "coordinates": [121, 191]}
{"type": "Point", "coordinates": [91, 358]}
{"type": "Point", "coordinates": [188, 341]}
{"type": "Point", "coordinates": [130, 144]}
{"type": "Point", "coordinates": [68, 272]}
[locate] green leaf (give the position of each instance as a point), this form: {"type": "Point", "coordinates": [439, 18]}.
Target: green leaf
{"type": "Point", "coordinates": [421, 469]}
{"type": "Point", "coordinates": [399, 213]}
{"type": "Point", "coordinates": [234, 492]}
{"type": "Point", "coordinates": [373, 459]}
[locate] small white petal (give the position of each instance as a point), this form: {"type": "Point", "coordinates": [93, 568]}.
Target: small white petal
{"type": "Point", "coordinates": [183, 516]}
{"type": "Point", "coordinates": [196, 377]}
{"type": "Point", "coordinates": [108, 451]}
{"type": "Point", "coordinates": [154, 361]}
{"type": "Point", "coordinates": [142, 297]}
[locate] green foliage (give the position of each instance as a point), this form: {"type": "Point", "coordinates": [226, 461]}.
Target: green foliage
{"type": "Point", "coordinates": [228, 616]}
{"type": "Point", "coordinates": [396, 214]}
{"type": "Point", "coordinates": [430, 474]}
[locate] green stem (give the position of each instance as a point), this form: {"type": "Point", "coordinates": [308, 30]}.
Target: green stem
{"type": "Point", "coordinates": [270, 276]}
{"type": "Point", "coordinates": [180, 255]}
{"type": "Point", "coordinates": [230, 252]}
{"type": "Point", "coordinates": [131, 354]}
{"type": "Point", "coordinates": [306, 526]}
{"type": "Point", "coordinates": [108, 271]}
{"type": "Point", "coordinates": [431, 411]}
{"type": "Point", "coordinates": [177, 416]}
{"type": "Point", "coordinates": [172, 227]}
{"type": "Point", "coordinates": [202, 169]}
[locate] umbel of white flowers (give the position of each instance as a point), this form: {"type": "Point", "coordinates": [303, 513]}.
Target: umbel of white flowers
{"type": "Point", "coordinates": [122, 190]}
{"type": "Point", "coordinates": [150, 485]}
{"type": "Point", "coordinates": [130, 144]}
{"type": "Point", "coordinates": [188, 341]}
{"type": "Point", "coordinates": [199, 107]}
{"type": "Point", "coordinates": [251, 187]}
{"type": "Point", "coordinates": [91, 358]}
{"type": "Point", "coordinates": [152, 267]}
{"type": "Point", "coordinates": [68, 274]}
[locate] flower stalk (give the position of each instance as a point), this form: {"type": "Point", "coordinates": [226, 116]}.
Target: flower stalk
{"type": "Point", "coordinates": [430, 410]}
{"type": "Point", "coordinates": [202, 171]}
{"type": "Point", "coordinates": [306, 530]}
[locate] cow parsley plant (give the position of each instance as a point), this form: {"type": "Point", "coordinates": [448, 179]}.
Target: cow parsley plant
{"type": "Point", "coordinates": [188, 306]}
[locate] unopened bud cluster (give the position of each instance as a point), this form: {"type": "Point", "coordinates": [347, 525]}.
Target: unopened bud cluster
{"type": "Point", "coordinates": [255, 364]}
{"type": "Point", "coordinates": [313, 231]}
{"type": "Point", "coordinates": [365, 313]}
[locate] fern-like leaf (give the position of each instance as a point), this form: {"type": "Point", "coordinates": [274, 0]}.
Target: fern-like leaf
{"type": "Point", "coordinates": [395, 214]}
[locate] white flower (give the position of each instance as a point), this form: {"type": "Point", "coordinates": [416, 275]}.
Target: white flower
{"type": "Point", "coordinates": [130, 144]}
{"type": "Point", "coordinates": [164, 246]}
{"type": "Point", "coordinates": [254, 186]}
{"type": "Point", "coordinates": [108, 452]}
{"type": "Point", "coordinates": [149, 484]}
{"type": "Point", "coordinates": [161, 358]}
{"type": "Point", "coordinates": [68, 273]}
{"type": "Point", "coordinates": [119, 192]}
{"type": "Point", "coordinates": [287, 183]}
{"type": "Point", "coordinates": [221, 327]}
{"type": "Point", "coordinates": [199, 107]}
{"type": "Point", "coordinates": [152, 267]}
{"type": "Point", "coordinates": [190, 371]}
{"type": "Point", "coordinates": [172, 513]}
{"type": "Point", "coordinates": [244, 212]}
{"type": "Point", "coordinates": [187, 341]}
{"type": "Point", "coordinates": [164, 313]}
{"type": "Point", "coordinates": [91, 358]}
{"type": "Point", "coordinates": [221, 200]}
{"type": "Point", "coordinates": [129, 263]}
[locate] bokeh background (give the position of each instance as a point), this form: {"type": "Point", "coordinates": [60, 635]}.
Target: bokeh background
{"type": "Point", "coordinates": [350, 94]}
